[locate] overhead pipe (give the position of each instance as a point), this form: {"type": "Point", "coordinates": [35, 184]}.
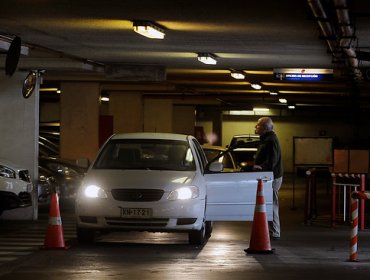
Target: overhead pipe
{"type": "Point", "coordinates": [346, 36]}
{"type": "Point", "coordinates": [324, 24]}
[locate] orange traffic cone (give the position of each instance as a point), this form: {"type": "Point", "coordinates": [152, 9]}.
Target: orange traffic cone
{"type": "Point", "coordinates": [260, 237]}
{"type": "Point", "coordinates": [54, 238]}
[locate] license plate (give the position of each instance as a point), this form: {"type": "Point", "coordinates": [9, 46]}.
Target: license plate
{"type": "Point", "coordinates": [136, 212]}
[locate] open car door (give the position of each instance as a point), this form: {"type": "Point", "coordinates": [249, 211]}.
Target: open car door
{"type": "Point", "coordinates": [232, 196]}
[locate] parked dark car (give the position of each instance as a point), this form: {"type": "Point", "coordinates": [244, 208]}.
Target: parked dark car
{"type": "Point", "coordinates": [60, 175]}
{"type": "Point", "coordinates": [244, 148]}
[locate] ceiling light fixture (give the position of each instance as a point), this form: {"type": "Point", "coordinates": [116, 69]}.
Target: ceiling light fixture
{"type": "Point", "coordinates": [241, 112]}
{"type": "Point", "coordinates": [256, 86]}
{"type": "Point", "coordinates": [239, 75]}
{"type": "Point", "coordinates": [149, 29]}
{"type": "Point", "coordinates": [283, 100]}
{"type": "Point", "coordinates": [104, 98]}
{"type": "Point", "coordinates": [261, 109]}
{"type": "Point", "coordinates": [291, 107]}
{"type": "Point", "coordinates": [207, 58]}
{"type": "Point", "coordinates": [273, 93]}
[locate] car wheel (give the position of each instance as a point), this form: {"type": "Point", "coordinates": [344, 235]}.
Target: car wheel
{"type": "Point", "coordinates": [197, 237]}
{"type": "Point", "coordinates": [85, 236]}
{"type": "Point", "coordinates": [209, 228]}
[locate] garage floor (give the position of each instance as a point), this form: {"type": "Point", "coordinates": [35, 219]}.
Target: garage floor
{"type": "Point", "coordinates": [305, 251]}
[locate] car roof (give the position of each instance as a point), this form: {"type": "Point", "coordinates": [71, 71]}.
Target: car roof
{"type": "Point", "coordinates": [152, 135]}
{"type": "Point", "coordinates": [246, 136]}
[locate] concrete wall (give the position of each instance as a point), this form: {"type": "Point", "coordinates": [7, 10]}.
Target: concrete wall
{"type": "Point", "coordinates": [183, 120]}
{"type": "Point", "coordinates": [19, 133]}
{"type": "Point", "coordinates": [343, 131]}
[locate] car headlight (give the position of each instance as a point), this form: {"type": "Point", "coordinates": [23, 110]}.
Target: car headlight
{"type": "Point", "coordinates": [7, 172]}
{"type": "Point", "coordinates": [183, 193]}
{"type": "Point", "coordinates": [93, 191]}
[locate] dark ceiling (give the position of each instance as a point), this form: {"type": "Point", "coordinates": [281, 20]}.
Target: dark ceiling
{"type": "Point", "coordinates": [94, 40]}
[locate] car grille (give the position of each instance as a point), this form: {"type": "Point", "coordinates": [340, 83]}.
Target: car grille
{"type": "Point", "coordinates": [154, 222]}
{"type": "Point", "coordinates": [145, 195]}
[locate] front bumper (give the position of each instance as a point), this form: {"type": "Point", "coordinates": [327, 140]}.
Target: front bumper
{"type": "Point", "coordinates": [9, 200]}
{"type": "Point", "coordinates": [167, 216]}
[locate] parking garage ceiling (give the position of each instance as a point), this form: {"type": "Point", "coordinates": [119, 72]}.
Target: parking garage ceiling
{"type": "Point", "coordinates": [94, 40]}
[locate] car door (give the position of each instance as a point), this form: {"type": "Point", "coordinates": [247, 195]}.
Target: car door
{"type": "Point", "coordinates": [232, 196]}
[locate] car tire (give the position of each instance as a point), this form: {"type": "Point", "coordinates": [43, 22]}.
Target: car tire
{"type": "Point", "coordinates": [85, 236]}
{"type": "Point", "coordinates": [209, 228]}
{"type": "Point", "coordinates": [198, 237]}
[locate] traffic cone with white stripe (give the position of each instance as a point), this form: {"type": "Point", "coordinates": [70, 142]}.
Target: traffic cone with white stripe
{"type": "Point", "coordinates": [260, 237]}
{"type": "Point", "coordinates": [54, 238]}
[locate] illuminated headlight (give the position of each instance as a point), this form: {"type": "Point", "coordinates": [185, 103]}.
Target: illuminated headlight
{"type": "Point", "coordinates": [93, 191]}
{"type": "Point", "coordinates": [184, 193]}
{"type": "Point", "coordinates": [6, 172]}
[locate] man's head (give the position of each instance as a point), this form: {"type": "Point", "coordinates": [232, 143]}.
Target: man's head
{"type": "Point", "coordinates": [264, 125]}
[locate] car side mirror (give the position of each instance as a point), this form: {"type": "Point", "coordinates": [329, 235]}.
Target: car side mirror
{"type": "Point", "coordinates": [216, 167]}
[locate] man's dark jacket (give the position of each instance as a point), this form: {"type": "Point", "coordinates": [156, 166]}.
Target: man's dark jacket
{"type": "Point", "coordinates": [268, 155]}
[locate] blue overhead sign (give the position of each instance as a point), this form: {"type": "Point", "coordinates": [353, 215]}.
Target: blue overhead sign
{"type": "Point", "coordinates": [297, 74]}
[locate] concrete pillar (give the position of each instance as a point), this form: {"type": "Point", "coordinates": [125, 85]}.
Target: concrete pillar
{"type": "Point", "coordinates": [19, 126]}
{"type": "Point", "coordinates": [127, 112]}
{"type": "Point", "coordinates": [157, 115]}
{"type": "Point", "coordinates": [79, 120]}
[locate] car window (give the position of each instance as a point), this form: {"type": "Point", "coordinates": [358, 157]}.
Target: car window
{"type": "Point", "coordinates": [227, 161]}
{"type": "Point", "coordinates": [150, 154]}
{"type": "Point", "coordinates": [211, 154]}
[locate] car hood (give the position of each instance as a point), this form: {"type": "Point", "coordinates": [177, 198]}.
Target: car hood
{"type": "Point", "coordinates": [16, 167]}
{"type": "Point", "coordinates": [141, 179]}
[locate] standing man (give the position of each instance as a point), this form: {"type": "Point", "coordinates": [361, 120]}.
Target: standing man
{"type": "Point", "coordinates": [268, 158]}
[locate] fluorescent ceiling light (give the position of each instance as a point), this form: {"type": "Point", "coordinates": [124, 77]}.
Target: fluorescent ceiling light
{"type": "Point", "coordinates": [291, 107]}
{"type": "Point", "coordinates": [256, 86]}
{"type": "Point", "coordinates": [273, 93]}
{"type": "Point", "coordinates": [283, 100]}
{"type": "Point", "coordinates": [259, 109]}
{"type": "Point", "coordinates": [49, 89]}
{"type": "Point", "coordinates": [207, 58]}
{"type": "Point", "coordinates": [104, 99]}
{"type": "Point", "coordinates": [241, 112]}
{"type": "Point", "coordinates": [149, 29]}
{"type": "Point", "coordinates": [237, 75]}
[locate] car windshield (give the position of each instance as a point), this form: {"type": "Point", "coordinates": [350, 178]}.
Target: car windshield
{"type": "Point", "coordinates": [147, 154]}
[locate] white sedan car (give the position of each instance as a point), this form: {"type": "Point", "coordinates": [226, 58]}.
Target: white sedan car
{"type": "Point", "coordinates": [15, 186]}
{"type": "Point", "coordinates": [162, 182]}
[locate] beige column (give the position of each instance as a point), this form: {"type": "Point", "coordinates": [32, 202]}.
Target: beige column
{"type": "Point", "coordinates": [127, 111]}
{"type": "Point", "coordinates": [79, 120]}
{"type": "Point", "coordinates": [157, 115]}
